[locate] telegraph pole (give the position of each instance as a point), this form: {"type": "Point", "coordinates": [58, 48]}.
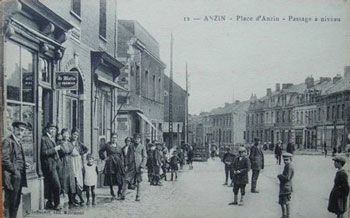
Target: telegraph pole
{"type": "Point", "coordinates": [171, 95]}
{"type": "Point", "coordinates": [186, 119]}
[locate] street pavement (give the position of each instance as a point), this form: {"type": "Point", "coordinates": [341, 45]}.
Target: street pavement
{"type": "Point", "coordinates": [199, 193]}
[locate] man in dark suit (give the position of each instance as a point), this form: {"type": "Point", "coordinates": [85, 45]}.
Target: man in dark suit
{"type": "Point", "coordinates": [51, 164]}
{"type": "Point", "coordinates": [13, 169]}
{"type": "Point", "coordinates": [257, 162]}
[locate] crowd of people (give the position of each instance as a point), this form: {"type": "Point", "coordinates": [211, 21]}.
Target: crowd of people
{"type": "Point", "coordinates": [238, 165]}
{"type": "Point", "coordinates": [69, 170]}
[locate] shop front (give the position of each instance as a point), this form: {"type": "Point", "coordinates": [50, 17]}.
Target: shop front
{"type": "Point", "coordinates": [32, 49]}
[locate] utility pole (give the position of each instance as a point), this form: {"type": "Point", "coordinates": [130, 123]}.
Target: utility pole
{"type": "Point", "coordinates": [171, 94]}
{"type": "Point", "coordinates": [186, 118]}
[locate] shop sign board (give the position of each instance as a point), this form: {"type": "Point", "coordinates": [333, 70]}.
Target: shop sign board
{"type": "Point", "coordinates": [66, 80]}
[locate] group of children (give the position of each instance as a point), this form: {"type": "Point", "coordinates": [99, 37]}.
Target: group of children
{"type": "Point", "coordinates": [241, 166]}
{"type": "Point", "coordinates": [160, 161]}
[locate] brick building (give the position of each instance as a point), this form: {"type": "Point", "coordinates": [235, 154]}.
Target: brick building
{"type": "Point", "coordinates": [309, 114]}
{"type": "Point", "coordinates": [43, 38]}
{"type": "Point", "coordinates": [142, 104]}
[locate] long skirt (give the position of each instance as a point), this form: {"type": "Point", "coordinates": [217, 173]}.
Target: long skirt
{"type": "Point", "coordinates": [114, 172]}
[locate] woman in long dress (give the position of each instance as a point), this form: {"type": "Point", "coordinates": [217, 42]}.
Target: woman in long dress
{"type": "Point", "coordinates": [114, 167]}
{"type": "Point", "coordinates": [77, 157]}
{"type": "Point", "coordinates": [67, 176]}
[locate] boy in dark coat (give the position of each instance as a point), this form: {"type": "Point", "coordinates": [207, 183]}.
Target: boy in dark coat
{"type": "Point", "coordinates": [174, 160]}
{"type": "Point", "coordinates": [241, 167]}
{"type": "Point", "coordinates": [286, 184]}
{"type": "Point", "coordinates": [338, 198]}
{"type": "Point", "coordinates": [228, 160]}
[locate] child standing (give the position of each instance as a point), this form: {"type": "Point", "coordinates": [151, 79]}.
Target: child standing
{"type": "Point", "coordinates": [338, 198]}
{"type": "Point", "coordinates": [286, 185]}
{"type": "Point", "coordinates": [90, 179]}
{"type": "Point", "coordinates": [241, 167]}
{"type": "Point", "coordinates": [174, 160]}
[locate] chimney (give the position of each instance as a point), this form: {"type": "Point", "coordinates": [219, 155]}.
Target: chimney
{"type": "Point", "coordinates": [336, 78]}
{"type": "Point", "coordinates": [226, 104]}
{"type": "Point", "coordinates": [268, 91]}
{"type": "Point", "coordinates": [309, 81]}
{"type": "Point", "coordinates": [286, 85]}
{"type": "Point", "coordinates": [324, 79]}
{"type": "Point", "coordinates": [237, 101]}
{"type": "Point", "coordinates": [346, 71]}
{"type": "Point", "coordinates": [278, 87]}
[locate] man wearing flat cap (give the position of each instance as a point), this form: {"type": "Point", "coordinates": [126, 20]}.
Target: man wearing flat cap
{"type": "Point", "coordinates": [51, 165]}
{"type": "Point", "coordinates": [257, 163]}
{"type": "Point", "coordinates": [13, 169]}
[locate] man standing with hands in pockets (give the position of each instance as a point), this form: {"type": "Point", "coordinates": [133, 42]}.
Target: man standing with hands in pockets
{"type": "Point", "coordinates": [51, 165]}
{"type": "Point", "coordinates": [257, 163]}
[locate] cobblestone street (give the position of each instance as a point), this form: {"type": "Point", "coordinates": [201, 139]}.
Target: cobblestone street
{"type": "Point", "coordinates": [200, 193]}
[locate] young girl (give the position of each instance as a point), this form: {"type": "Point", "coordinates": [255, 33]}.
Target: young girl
{"type": "Point", "coordinates": [90, 178]}
{"type": "Point", "coordinates": [338, 198]}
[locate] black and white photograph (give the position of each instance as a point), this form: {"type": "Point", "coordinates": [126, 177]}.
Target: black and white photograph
{"type": "Point", "coordinates": [175, 108]}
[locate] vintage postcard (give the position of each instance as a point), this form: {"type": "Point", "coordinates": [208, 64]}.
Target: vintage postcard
{"type": "Point", "coordinates": [180, 109]}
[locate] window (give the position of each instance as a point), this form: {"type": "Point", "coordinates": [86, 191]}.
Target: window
{"type": "Point", "coordinates": [45, 70]}
{"type": "Point", "coordinates": [298, 117]}
{"type": "Point", "coordinates": [277, 116]}
{"type": "Point", "coordinates": [283, 116]}
{"type": "Point", "coordinates": [343, 111]}
{"type": "Point", "coordinates": [76, 4]}
{"type": "Point", "coordinates": [302, 117]}
{"type": "Point", "coordinates": [328, 113]}
{"type": "Point", "coordinates": [137, 80]}
{"type": "Point", "coordinates": [319, 114]}
{"type": "Point", "coordinates": [333, 112]}
{"type": "Point", "coordinates": [154, 87]}
{"type": "Point", "coordinates": [272, 116]}
{"type": "Point", "coordinates": [146, 84]}
{"type": "Point", "coordinates": [338, 112]}
{"type": "Point", "coordinates": [103, 19]}
{"type": "Point", "coordinates": [20, 105]}
{"type": "Point", "coordinates": [159, 88]}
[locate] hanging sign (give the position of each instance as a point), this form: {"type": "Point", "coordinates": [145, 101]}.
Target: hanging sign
{"type": "Point", "coordinates": [66, 80]}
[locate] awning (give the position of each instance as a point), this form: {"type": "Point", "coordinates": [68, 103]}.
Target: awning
{"type": "Point", "coordinates": [146, 119]}
{"type": "Point", "coordinates": [109, 82]}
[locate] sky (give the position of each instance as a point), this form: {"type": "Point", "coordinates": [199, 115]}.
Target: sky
{"type": "Point", "coordinates": [229, 60]}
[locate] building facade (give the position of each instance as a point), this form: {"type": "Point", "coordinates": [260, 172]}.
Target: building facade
{"type": "Point", "coordinates": [46, 42]}
{"type": "Point", "coordinates": [309, 114]}
{"type": "Point", "coordinates": [142, 103]}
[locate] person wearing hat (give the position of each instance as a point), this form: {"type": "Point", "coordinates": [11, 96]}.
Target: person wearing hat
{"type": "Point", "coordinates": [227, 159]}
{"type": "Point", "coordinates": [135, 157]}
{"type": "Point", "coordinates": [51, 167]}
{"type": "Point", "coordinates": [278, 152]}
{"type": "Point", "coordinates": [241, 167]}
{"type": "Point", "coordinates": [149, 163]}
{"type": "Point", "coordinates": [257, 162]}
{"type": "Point", "coordinates": [13, 169]}
{"type": "Point", "coordinates": [157, 163]}
{"type": "Point", "coordinates": [338, 197]}
{"type": "Point", "coordinates": [286, 185]}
